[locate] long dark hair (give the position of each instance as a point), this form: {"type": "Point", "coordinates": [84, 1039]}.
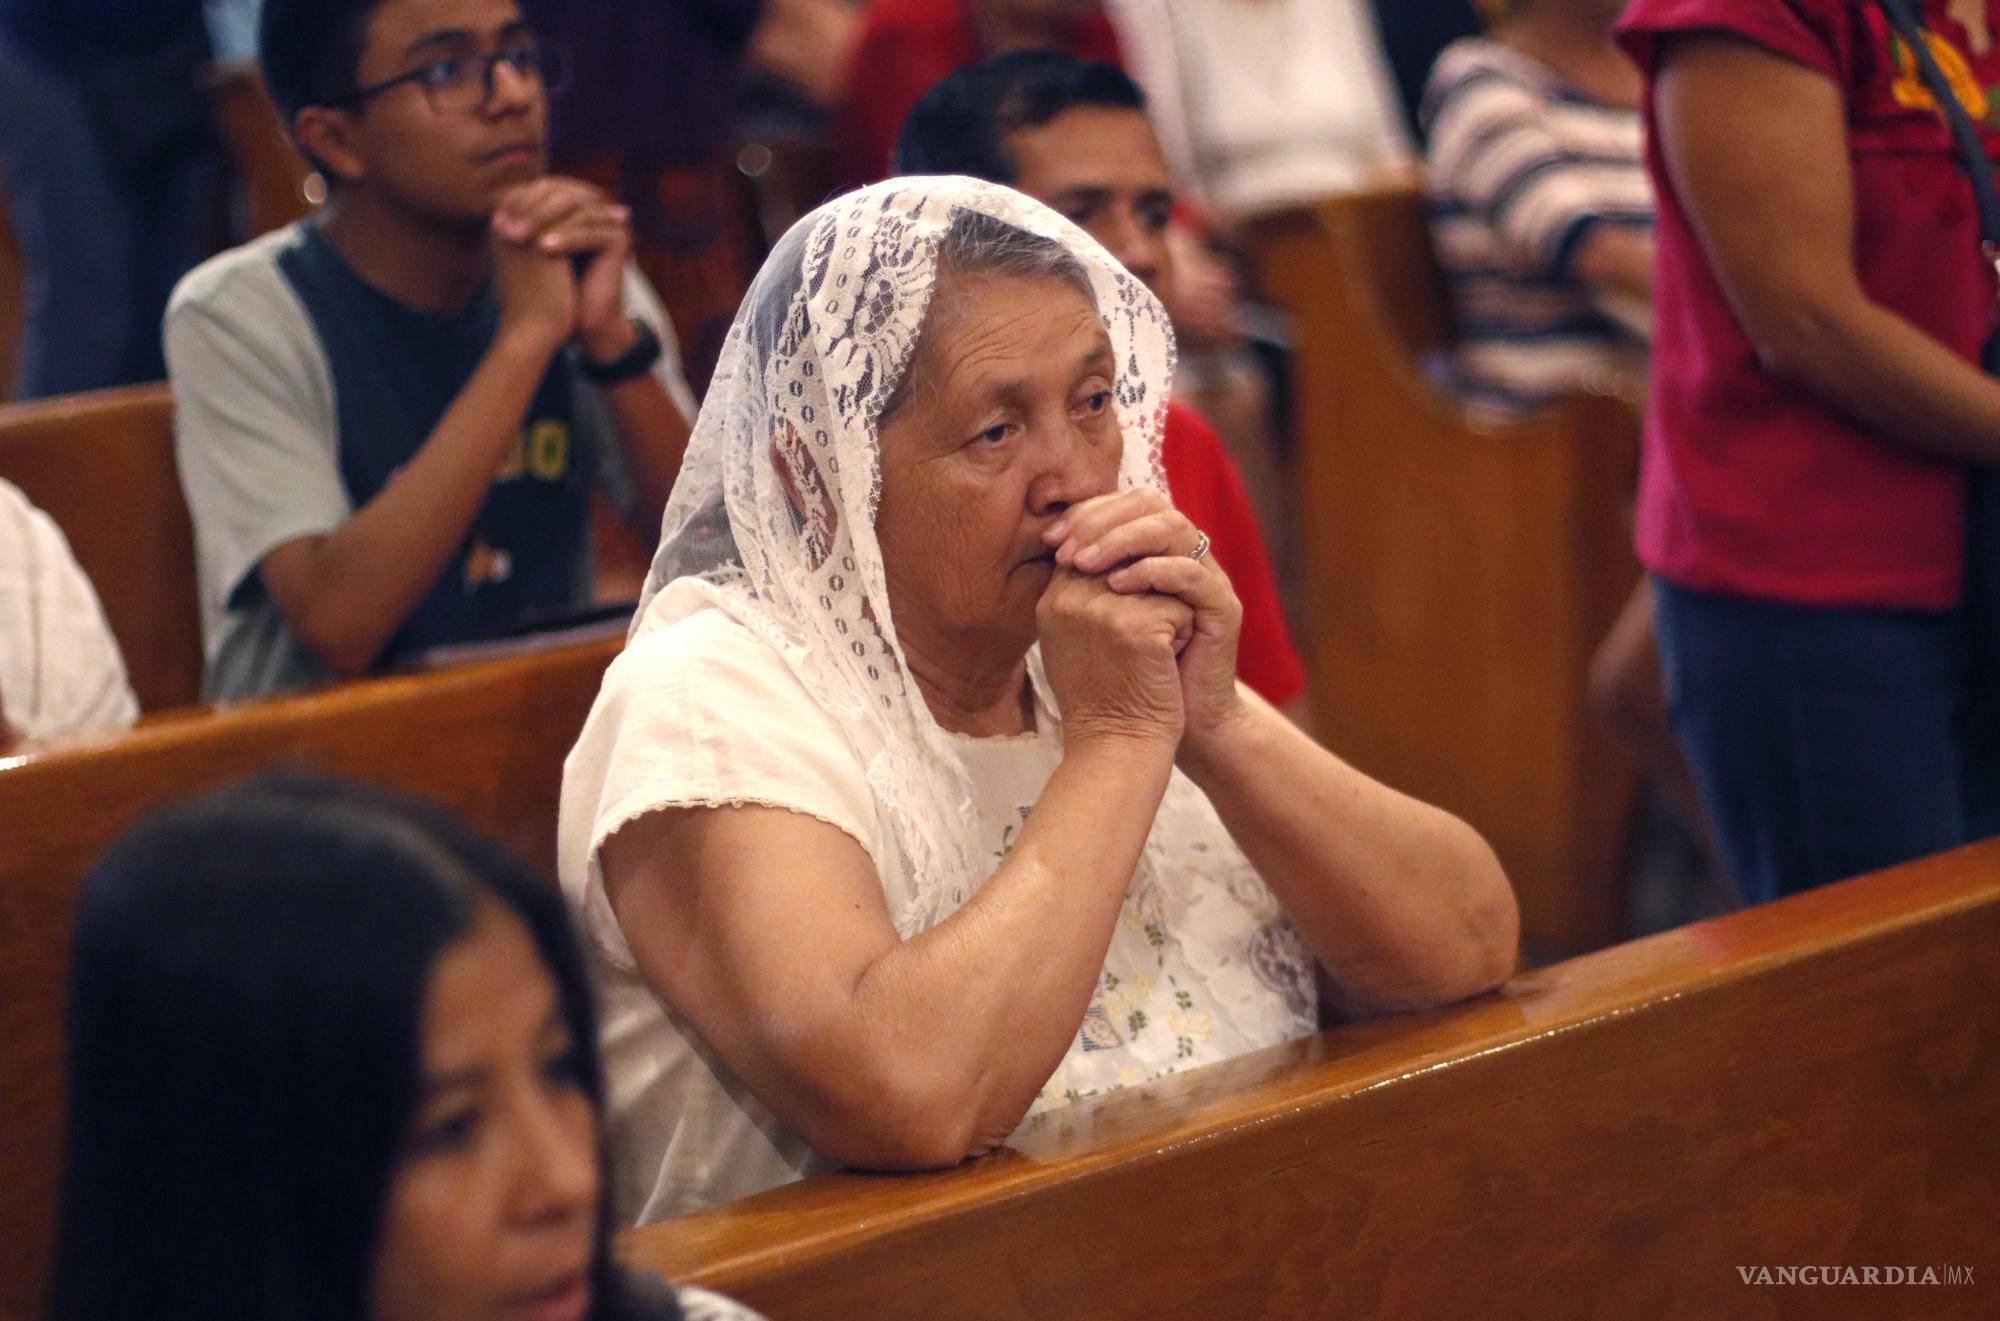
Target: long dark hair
{"type": "Point", "coordinates": [245, 1000]}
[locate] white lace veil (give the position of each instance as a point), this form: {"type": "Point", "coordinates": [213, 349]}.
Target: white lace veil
{"type": "Point", "coordinates": [821, 342]}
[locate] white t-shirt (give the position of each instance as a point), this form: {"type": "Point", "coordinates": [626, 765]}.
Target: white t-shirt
{"type": "Point", "coordinates": [1266, 104]}
{"type": "Point", "coordinates": [702, 711]}
{"type": "Point", "coordinates": [60, 671]}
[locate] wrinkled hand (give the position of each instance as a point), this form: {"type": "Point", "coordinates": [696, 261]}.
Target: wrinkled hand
{"type": "Point", "coordinates": [1110, 659]}
{"type": "Point", "coordinates": [541, 233]}
{"type": "Point", "coordinates": [1138, 544]}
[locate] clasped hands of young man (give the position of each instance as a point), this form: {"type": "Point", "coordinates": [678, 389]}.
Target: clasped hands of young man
{"type": "Point", "coordinates": [560, 247]}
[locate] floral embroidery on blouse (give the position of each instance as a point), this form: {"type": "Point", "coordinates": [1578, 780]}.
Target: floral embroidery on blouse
{"type": "Point", "coordinates": [1202, 966]}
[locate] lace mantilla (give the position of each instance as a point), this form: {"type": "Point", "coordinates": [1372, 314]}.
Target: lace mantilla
{"type": "Point", "coordinates": [776, 500]}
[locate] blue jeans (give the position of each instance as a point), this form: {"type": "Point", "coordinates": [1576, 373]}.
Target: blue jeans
{"type": "Point", "coordinates": [1829, 742]}
{"type": "Point", "coordinates": [102, 246]}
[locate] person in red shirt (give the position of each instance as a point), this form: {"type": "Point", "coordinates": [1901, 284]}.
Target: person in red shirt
{"type": "Point", "coordinates": [1817, 419]}
{"type": "Point", "coordinates": [908, 45]}
{"type": "Point", "coordinates": [1074, 134]}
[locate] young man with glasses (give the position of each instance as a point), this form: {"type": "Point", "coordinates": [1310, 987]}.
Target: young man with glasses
{"type": "Point", "coordinates": [389, 416]}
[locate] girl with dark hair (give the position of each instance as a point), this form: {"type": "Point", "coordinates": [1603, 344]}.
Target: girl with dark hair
{"type": "Point", "coordinates": [333, 1056]}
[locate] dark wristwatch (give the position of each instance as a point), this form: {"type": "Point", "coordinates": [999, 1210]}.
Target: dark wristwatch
{"type": "Point", "coordinates": [633, 362]}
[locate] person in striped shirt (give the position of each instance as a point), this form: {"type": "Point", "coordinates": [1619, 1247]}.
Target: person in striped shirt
{"type": "Point", "coordinates": [1541, 207]}
{"type": "Point", "coordinates": [1543, 215]}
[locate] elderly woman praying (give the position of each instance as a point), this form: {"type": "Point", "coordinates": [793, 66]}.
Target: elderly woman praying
{"type": "Point", "coordinates": [925, 799]}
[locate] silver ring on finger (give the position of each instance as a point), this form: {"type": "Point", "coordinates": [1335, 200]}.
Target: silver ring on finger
{"type": "Point", "coordinates": [1200, 551]}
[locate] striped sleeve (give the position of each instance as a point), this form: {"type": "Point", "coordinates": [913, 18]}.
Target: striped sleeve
{"type": "Point", "coordinates": [1495, 156]}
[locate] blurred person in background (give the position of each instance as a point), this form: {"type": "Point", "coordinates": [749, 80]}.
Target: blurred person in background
{"type": "Point", "coordinates": [909, 44]}
{"type": "Point", "coordinates": [109, 164]}
{"type": "Point", "coordinates": [1261, 105]}
{"type": "Point", "coordinates": [648, 117]}
{"type": "Point", "coordinates": [1543, 218]}
{"type": "Point", "coordinates": [1541, 207]}
{"type": "Point", "coordinates": [1819, 426]}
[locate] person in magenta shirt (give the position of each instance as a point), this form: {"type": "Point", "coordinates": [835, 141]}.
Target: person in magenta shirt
{"type": "Point", "coordinates": [1073, 133]}
{"type": "Point", "coordinates": [1817, 419]}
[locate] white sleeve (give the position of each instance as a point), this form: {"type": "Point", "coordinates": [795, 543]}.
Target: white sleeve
{"type": "Point", "coordinates": [255, 433]}
{"type": "Point", "coordinates": [1362, 39]}
{"type": "Point", "coordinates": [699, 713]}
{"type": "Point", "coordinates": [60, 669]}
{"type": "Point", "coordinates": [1145, 31]}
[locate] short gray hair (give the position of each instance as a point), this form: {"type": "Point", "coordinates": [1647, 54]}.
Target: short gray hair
{"type": "Point", "coordinates": [979, 244]}
{"type": "Point", "coordinates": [976, 244]}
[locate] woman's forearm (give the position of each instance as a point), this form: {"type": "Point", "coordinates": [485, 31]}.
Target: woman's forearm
{"type": "Point", "coordinates": [1405, 904]}
{"type": "Point", "coordinates": [885, 1053]}
{"type": "Point", "coordinates": [997, 991]}
{"type": "Point", "coordinates": [1619, 260]}
{"type": "Point", "coordinates": [1878, 370]}
{"type": "Point", "coordinates": [345, 594]}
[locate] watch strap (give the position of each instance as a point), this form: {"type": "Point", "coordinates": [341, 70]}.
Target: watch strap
{"type": "Point", "coordinates": [635, 361]}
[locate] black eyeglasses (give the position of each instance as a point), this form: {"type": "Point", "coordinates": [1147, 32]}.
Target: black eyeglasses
{"type": "Point", "coordinates": [463, 84]}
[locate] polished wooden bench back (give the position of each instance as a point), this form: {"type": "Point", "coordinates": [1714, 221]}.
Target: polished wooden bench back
{"type": "Point", "coordinates": [270, 173]}
{"type": "Point", "coordinates": [1398, 283]}
{"type": "Point", "coordinates": [1810, 1082]}
{"type": "Point", "coordinates": [485, 741]}
{"type": "Point", "coordinates": [102, 466]}
{"type": "Point", "coordinates": [1459, 577]}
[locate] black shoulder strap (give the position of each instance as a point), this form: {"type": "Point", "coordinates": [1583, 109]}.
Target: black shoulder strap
{"type": "Point", "coordinates": [1906, 17]}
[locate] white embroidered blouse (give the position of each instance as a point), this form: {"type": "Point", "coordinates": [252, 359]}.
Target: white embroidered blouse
{"type": "Point", "coordinates": [700, 711]}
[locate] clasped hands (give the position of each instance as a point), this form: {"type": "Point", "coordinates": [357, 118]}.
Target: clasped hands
{"type": "Point", "coordinates": [560, 247]}
{"type": "Point", "coordinates": [1160, 628]}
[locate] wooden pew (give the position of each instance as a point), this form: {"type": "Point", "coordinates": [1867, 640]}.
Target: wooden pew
{"type": "Point", "coordinates": [1459, 577]}
{"type": "Point", "coordinates": [485, 741]}
{"type": "Point", "coordinates": [270, 173]}
{"type": "Point", "coordinates": [1810, 1082]}
{"type": "Point", "coordinates": [102, 466]}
